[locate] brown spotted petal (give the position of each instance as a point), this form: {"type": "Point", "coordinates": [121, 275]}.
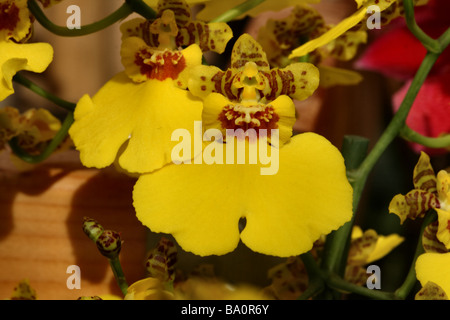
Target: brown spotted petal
{"type": "Point", "coordinates": [430, 241]}
{"type": "Point", "coordinates": [413, 205]}
{"type": "Point", "coordinates": [209, 36]}
{"type": "Point", "coordinates": [180, 8]}
{"type": "Point", "coordinates": [431, 291]}
{"type": "Point", "coordinates": [424, 177]}
{"type": "Point", "coordinates": [208, 79]}
{"type": "Point", "coordinates": [9, 124]}
{"type": "Point", "coordinates": [289, 279]}
{"type": "Point", "coordinates": [362, 247]}
{"type": "Point", "coordinates": [161, 261]}
{"type": "Point", "coordinates": [298, 80]}
{"type": "Point", "coordinates": [280, 36]}
{"type": "Point", "coordinates": [346, 46]}
{"type": "Point", "coordinates": [246, 49]}
{"type": "Point", "coordinates": [355, 274]}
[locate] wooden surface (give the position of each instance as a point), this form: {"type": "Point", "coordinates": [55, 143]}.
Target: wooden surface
{"type": "Point", "coordinates": [41, 234]}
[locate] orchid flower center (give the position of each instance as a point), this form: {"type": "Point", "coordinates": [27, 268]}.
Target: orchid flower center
{"type": "Point", "coordinates": [166, 28]}
{"type": "Point", "coordinates": [251, 82]}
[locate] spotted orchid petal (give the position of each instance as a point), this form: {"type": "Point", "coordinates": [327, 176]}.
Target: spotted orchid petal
{"type": "Point", "coordinates": [298, 80]}
{"type": "Point", "coordinates": [433, 267]}
{"type": "Point", "coordinates": [209, 36]}
{"type": "Point", "coordinates": [390, 9]}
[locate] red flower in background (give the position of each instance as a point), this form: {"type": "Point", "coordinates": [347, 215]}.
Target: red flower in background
{"type": "Point", "coordinates": [396, 53]}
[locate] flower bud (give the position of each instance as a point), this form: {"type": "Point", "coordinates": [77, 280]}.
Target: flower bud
{"type": "Point", "coordinates": [92, 228]}
{"type": "Point", "coordinates": [109, 244]}
{"type": "Point", "coordinates": [161, 261]}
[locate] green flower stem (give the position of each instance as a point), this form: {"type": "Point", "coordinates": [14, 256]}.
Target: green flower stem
{"type": "Point", "coordinates": [444, 39]}
{"type": "Point", "coordinates": [340, 284]}
{"type": "Point", "coordinates": [118, 274]}
{"type": "Point", "coordinates": [354, 150]}
{"type": "Point", "coordinates": [141, 8]}
{"type": "Point", "coordinates": [316, 282]}
{"type": "Point", "coordinates": [124, 11]}
{"type": "Point", "coordinates": [43, 93]}
{"type": "Point", "coordinates": [337, 242]}
{"type": "Point", "coordinates": [394, 127]}
{"type": "Point", "coordinates": [398, 121]}
{"type": "Point", "coordinates": [237, 11]}
{"type": "Point", "coordinates": [431, 44]}
{"type": "Point", "coordinates": [413, 136]}
{"type": "Point", "coordinates": [52, 146]}
{"type": "Point", "coordinates": [410, 280]}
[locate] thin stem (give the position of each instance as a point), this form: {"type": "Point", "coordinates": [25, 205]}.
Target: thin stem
{"type": "Point", "coordinates": [413, 136]}
{"type": "Point", "coordinates": [141, 8]}
{"type": "Point", "coordinates": [340, 284]}
{"type": "Point", "coordinates": [354, 150]}
{"type": "Point", "coordinates": [52, 146]}
{"type": "Point", "coordinates": [411, 279]}
{"type": "Point", "coordinates": [431, 44]}
{"type": "Point", "coordinates": [237, 11]}
{"type": "Point", "coordinates": [121, 13]}
{"type": "Point", "coordinates": [444, 39]}
{"type": "Point", "coordinates": [394, 127]}
{"type": "Point", "coordinates": [119, 275]}
{"type": "Point", "coordinates": [315, 279]}
{"type": "Point", "coordinates": [398, 121]}
{"type": "Point", "coordinates": [43, 93]}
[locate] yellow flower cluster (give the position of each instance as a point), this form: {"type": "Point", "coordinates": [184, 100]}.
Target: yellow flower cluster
{"type": "Point", "coordinates": [131, 121]}
{"type": "Point", "coordinates": [431, 193]}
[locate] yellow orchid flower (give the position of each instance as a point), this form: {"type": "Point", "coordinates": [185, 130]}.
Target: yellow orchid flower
{"type": "Point", "coordinates": [32, 129]}
{"type": "Point", "coordinates": [9, 124]}
{"type": "Point", "coordinates": [279, 37]}
{"type": "Point", "coordinates": [365, 248]}
{"type": "Point", "coordinates": [290, 278]}
{"type": "Point", "coordinates": [15, 27]}
{"type": "Point", "coordinates": [389, 10]}
{"type": "Point", "coordinates": [209, 36]}
{"type": "Point", "coordinates": [375, 246]}
{"type": "Point", "coordinates": [38, 126]}
{"type": "Point", "coordinates": [251, 95]}
{"type": "Point", "coordinates": [431, 192]}
{"type": "Point", "coordinates": [286, 209]}
{"type": "Point", "coordinates": [160, 284]}
{"type": "Point", "coordinates": [432, 272]}
{"type": "Point", "coordinates": [15, 20]}
{"type": "Point", "coordinates": [133, 115]}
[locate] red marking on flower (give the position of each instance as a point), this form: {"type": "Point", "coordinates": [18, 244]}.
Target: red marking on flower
{"type": "Point", "coordinates": [160, 66]}
{"type": "Point", "coordinates": [9, 16]}
{"type": "Point", "coordinates": [249, 117]}
{"type": "Point", "coordinates": [448, 225]}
